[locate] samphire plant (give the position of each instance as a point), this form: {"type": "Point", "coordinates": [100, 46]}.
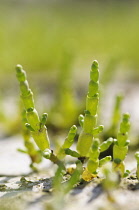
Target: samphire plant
{"type": "Point", "coordinates": [120, 148]}
{"type": "Point", "coordinates": [88, 148]}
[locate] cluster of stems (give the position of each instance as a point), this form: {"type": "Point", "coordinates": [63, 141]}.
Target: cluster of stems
{"type": "Point", "coordinates": [37, 126]}
{"type": "Point", "coordinates": [94, 162]}
{"type": "Point", "coordinates": [88, 145]}
{"type": "Point", "coordinates": [120, 148]}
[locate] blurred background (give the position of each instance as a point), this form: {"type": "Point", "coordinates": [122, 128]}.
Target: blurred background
{"type": "Point", "coordinates": [56, 42]}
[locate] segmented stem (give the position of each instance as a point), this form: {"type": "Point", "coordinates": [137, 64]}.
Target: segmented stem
{"type": "Point", "coordinates": [35, 125]}
{"type": "Point", "coordinates": [89, 121]}
{"type": "Point", "coordinates": [120, 148]}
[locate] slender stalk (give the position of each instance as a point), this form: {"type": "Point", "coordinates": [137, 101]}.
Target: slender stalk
{"type": "Point", "coordinates": [120, 148]}
{"type": "Point", "coordinates": [93, 162]}
{"type": "Point", "coordinates": [68, 142]}
{"type": "Point", "coordinates": [34, 154]}
{"type": "Point", "coordinates": [37, 128]}
{"type": "Point", "coordinates": [116, 116]}
{"type": "Point", "coordinates": [89, 121]}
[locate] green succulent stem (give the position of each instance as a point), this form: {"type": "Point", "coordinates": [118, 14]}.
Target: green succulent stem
{"type": "Point", "coordinates": [34, 154]}
{"type": "Point", "coordinates": [106, 144]}
{"type": "Point", "coordinates": [116, 116]}
{"type": "Point", "coordinates": [68, 142]}
{"type": "Point", "coordinates": [120, 148]}
{"type": "Point", "coordinates": [35, 125]}
{"type": "Point", "coordinates": [72, 153]}
{"type": "Point", "coordinates": [94, 163]}
{"type": "Point", "coordinates": [89, 121]}
{"type": "Point", "coordinates": [104, 160]}
{"type": "Point", "coordinates": [81, 120]}
{"type": "Point", "coordinates": [70, 138]}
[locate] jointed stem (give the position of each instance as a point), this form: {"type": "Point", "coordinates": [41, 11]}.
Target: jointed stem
{"type": "Point", "coordinates": [120, 148]}
{"type": "Point", "coordinates": [89, 121]}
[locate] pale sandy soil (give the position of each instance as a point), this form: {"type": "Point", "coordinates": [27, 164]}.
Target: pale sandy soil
{"type": "Point", "coordinates": [36, 194]}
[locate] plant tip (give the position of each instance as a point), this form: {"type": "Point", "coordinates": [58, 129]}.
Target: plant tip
{"type": "Point", "coordinates": [45, 115]}
{"type": "Point", "coordinates": [19, 68]}
{"type": "Point", "coordinates": [137, 155]}
{"type": "Point", "coordinates": [47, 153]}
{"type": "Point", "coordinates": [101, 127]}
{"type": "Point", "coordinates": [28, 126]}
{"type": "Point", "coordinates": [74, 127]}
{"type": "Point", "coordinates": [95, 63]}
{"type": "Point", "coordinates": [126, 115]}
{"type": "Point", "coordinates": [110, 139]}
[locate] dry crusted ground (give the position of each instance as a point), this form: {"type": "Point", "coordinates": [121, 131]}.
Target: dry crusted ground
{"type": "Point", "coordinates": [20, 189]}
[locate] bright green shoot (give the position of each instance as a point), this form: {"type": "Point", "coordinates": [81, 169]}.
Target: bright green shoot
{"type": "Point", "coordinates": [89, 121]}
{"type": "Point", "coordinates": [35, 155]}
{"type": "Point", "coordinates": [116, 116]}
{"type": "Point", "coordinates": [68, 142]}
{"type": "Point", "coordinates": [94, 162]}
{"type": "Point", "coordinates": [120, 148]}
{"type": "Point", "coordinates": [35, 125]}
